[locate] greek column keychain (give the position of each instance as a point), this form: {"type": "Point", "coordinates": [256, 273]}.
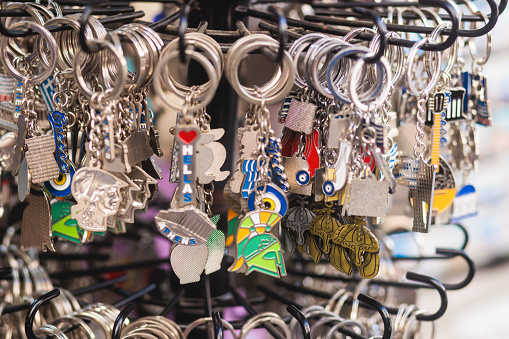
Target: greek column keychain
{"type": "Point", "coordinates": [416, 173]}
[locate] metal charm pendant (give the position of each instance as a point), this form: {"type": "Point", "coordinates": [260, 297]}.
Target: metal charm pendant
{"type": "Point", "coordinates": [297, 220]}
{"type": "Point", "coordinates": [187, 270]}
{"type": "Point", "coordinates": [185, 226]}
{"type": "Point", "coordinates": [19, 149]}
{"type": "Point", "coordinates": [324, 225]}
{"type": "Point", "coordinates": [338, 130]}
{"type": "Point", "coordinates": [465, 204]}
{"type": "Point", "coordinates": [216, 247]}
{"type": "Point", "coordinates": [62, 225]}
{"type": "Point", "coordinates": [36, 224]}
{"type": "Point", "coordinates": [297, 172]}
{"type": "Point", "coordinates": [256, 249]}
{"type": "Point", "coordinates": [98, 196]}
{"type": "Point", "coordinates": [24, 181]}
{"type": "Point", "coordinates": [40, 158]}
{"type": "Point", "coordinates": [445, 188]}
{"type": "Point", "coordinates": [301, 116]}
{"type": "Point", "coordinates": [368, 197]}
{"type": "Point", "coordinates": [341, 171]}
{"type": "Point", "coordinates": [187, 136]}
{"type": "Point", "coordinates": [210, 157]}
{"type": "Point", "coordinates": [58, 122]}
{"type": "Point", "coordinates": [420, 178]}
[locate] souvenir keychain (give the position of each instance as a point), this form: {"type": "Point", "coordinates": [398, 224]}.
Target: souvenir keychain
{"type": "Point", "coordinates": [253, 246]}
{"type": "Point", "coordinates": [33, 149]}
{"type": "Point", "coordinates": [97, 191]}
{"type": "Point", "coordinates": [188, 227]}
{"type": "Point", "coordinates": [416, 173]}
{"type": "Point", "coordinates": [256, 248]}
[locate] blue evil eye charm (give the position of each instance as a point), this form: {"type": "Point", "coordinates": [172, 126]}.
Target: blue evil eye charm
{"type": "Point", "coordinates": [274, 199]}
{"type": "Point", "coordinates": [328, 188]}
{"type": "Point", "coordinates": [302, 177]}
{"type": "Point", "coordinates": [61, 186]}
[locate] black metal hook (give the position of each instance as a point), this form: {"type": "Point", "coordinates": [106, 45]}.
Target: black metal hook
{"type": "Point", "coordinates": [13, 33]}
{"type": "Point", "coordinates": [447, 253]}
{"type": "Point", "coordinates": [183, 24]}
{"type": "Point", "coordinates": [492, 21]}
{"type": "Point", "coordinates": [301, 318]}
{"type": "Point", "coordinates": [252, 312]}
{"type": "Point", "coordinates": [32, 311]}
{"type": "Point", "coordinates": [382, 30]}
{"type": "Point", "coordinates": [120, 320]}
{"type": "Point", "coordinates": [381, 310]}
{"type": "Point", "coordinates": [5, 272]}
{"type": "Point", "coordinates": [453, 18]}
{"type": "Point", "coordinates": [437, 285]}
{"type": "Point", "coordinates": [218, 325]}
{"type": "Point", "coordinates": [86, 46]}
{"type": "Point", "coordinates": [282, 29]}
{"type": "Point", "coordinates": [156, 26]}
{"type": "Point", "coordinates": [173, 302]}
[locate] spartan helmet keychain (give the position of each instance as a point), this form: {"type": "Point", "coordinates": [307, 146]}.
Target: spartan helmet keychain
{"type": "Point", "coordinates": [256, 249]}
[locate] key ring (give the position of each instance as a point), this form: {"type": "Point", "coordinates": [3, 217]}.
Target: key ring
{"type": "Point", "coordinates": [298, 48]}
{"type": "Point", "coordinates": [206, 46]}
{"type": "Point", "coordinates": [411, 86]}
{"type": "Point", "coordinates": [207, 66]}
{"type": "Point", "coordinates": [202, 321]}
{"type": "Point", "coordinates": [274, 90]}
{"type": "Point", "coordinates": [259, 319]}
{"type": "Point", "coordinates": [398, 58]}
{"type": "Point", "coordinates": [52, 44]}
{"type": "Point", "coordinates": [355, 50]}
{"type": "Point", "coordinates": [355, 75]}
{"type": "Point", "coordinates": [120, 81]}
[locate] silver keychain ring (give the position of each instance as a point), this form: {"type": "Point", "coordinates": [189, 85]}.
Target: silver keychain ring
{"type": "Point", "coordinates": [341, 93]}
{"type": "Point", "coordinates": [472, 48]}
{"type": "Point", "coordinates": [237, 53]}
{"type": "Point", "coordinates": [72, 320]}
{"type": "Point", "coordinates": [347, 323]}
{"type": "Point", "coordinates": [318, 77]}
{"type": "Point", "coordinates": [356, 69]}
{"type": "Point", "coordinates": [202, 321]}
{"type": "Point", "coordinates": [50, 330]}
{"type": "Point", "coordinates": [209, 69]}
{"type": "Point", "coordinates": [322, 52]}
{"type": "Point", "coordinates": [111, 93]}
{"type": "Point", "coordinates": [35, 14]}
{"type": "Point", "coordinates": [204, 47]}
{"type": "Point", "coordinates": [52, 44]}
{"type": "Point", "coordinates": [411, 86]}
{"type": "Point", "coordinates": [297, 48]}
{"type": "Point", "coordinates": [270, 92]}
{"type": "Point", "coordinates": [371, 92]}
{"type": "Point", "coordinates": [249, 326]}
{"type": "Point", "coordinates": [141, 53]}
{"type": "Point", "coordinates": [68, 21]}
{"type": "Point", "coordinates": [207, 47]}
{"type": "Point", "coordinates": [158, 321]}
{"type": "Point", "coordinates": [396, 54]}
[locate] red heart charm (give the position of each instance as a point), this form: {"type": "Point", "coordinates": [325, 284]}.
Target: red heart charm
{"type": "Point", "coordinates": [187, 136]}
